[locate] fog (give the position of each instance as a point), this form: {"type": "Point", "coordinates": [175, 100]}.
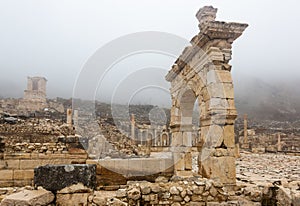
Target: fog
{"type": "Point", "coordinates": [56, 38]}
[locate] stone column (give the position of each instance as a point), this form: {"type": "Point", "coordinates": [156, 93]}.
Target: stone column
{"type": "Point", "coordinates": [237, 150]}
{"type": "Point", "coordinates": [279, 142]}
{"type": "Point", "coordinates": [69, 117]}
{"type": "Point", "coordinates": [245, 129]}
{"type": "Point", "coordinates": [133, 128]}
{"type": "Point", "coordinates": [154, 137]}
{"type": "Point", "coordinates": [75, 118]}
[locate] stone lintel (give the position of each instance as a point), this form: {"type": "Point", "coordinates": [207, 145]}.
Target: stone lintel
{"type": "Point", "coordinates": [223, 30]}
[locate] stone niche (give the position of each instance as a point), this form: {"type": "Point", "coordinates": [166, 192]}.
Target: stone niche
{"type": "Point", "coordinates": [202, 72]}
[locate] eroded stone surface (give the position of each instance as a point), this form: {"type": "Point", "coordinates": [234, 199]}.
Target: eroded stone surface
{"type": "Point", "coordinates": [29, 197]}
{"type": "Point", "coordinates": [57, 177]}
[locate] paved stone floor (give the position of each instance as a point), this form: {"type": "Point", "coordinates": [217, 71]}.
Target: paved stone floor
{"type": "Point", "coordinates": [267, 167]}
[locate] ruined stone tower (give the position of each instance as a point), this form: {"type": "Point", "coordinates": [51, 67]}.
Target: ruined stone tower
{"type": "Point", "coordinates": [35, 94]}
{"type": "Point", "coordinates": [202, 72]}
{"type": "Point", "coordinates": [36, 89]}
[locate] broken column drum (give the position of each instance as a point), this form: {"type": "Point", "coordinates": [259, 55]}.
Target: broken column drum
{"type": "Point", "coordinates": [202, 72]}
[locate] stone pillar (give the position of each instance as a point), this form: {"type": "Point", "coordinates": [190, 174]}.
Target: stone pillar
{"type": "Point", "coordinates": [155, 137]}
{"type": "Point", "coordinates": [245, 143]}
{"type": "Point", "coordinates": [279, 142]}
{"type": "Point", "coordinates": [245, 129]}
{"type": "Point", "coordinates": [133, 128]}
{"type": "Point", "coordinates": [69, 117]}
{"type": "Point", "coordinates": [75, 118]}
{"type": "Point", "coordinates": [237, 150]}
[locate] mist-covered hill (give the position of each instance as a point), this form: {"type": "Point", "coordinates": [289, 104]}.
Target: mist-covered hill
{"type": "Point", "coordinates": [267, 101]}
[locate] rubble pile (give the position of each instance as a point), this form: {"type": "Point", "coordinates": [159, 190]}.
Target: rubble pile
{"type": "Point", "coordinates": [26, 130]}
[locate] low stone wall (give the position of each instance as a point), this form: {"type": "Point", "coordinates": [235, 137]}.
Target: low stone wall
{"type": "Point", "coordinates": [17, 169]}
{"type": "Point", "coordinates": [20, 155]}
{"type": "Point", "coordinates": [189, 191]}
{"type": "Point", "coordinates": [177, 191]}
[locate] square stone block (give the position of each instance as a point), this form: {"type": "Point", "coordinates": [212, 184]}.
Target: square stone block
{"type": "Point", "coordinates": [57, 177]}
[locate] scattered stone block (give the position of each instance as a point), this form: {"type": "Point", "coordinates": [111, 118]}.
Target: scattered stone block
{"type": "Point", "coordinates": [72, 199]}
{"type": "Point", "coordinates": [76, 188]}
{"type": "Point", "coordinates": [57, 177]}
{"type": "Point", "coordinates": [29, 197]}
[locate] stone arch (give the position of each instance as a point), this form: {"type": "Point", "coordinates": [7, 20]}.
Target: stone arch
{"type": "Point", "coordinates": [203, 72]}
{"type": "Point", "coordinates": [165, 139]}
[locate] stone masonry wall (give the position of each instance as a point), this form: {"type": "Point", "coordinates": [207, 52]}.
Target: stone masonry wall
{"type": "Point", "coordinates": [18, 160]}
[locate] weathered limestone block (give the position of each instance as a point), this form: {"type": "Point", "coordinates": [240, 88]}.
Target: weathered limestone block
{"type": "Point", "coordinates": [177, 139]}
{"type": "Point", "coordinates": [121, 193]}
{"type": "Point", "coordinates": [76, 188]}
{"type": "Point", "coordinates": [187, 139]}
{"type": "Point", "coordinates": [284, 196]}
{"type": "Point", "coordinates": [179, 161]}
{"type": "Point", "coordinates": [295, 197]}
{"type": "Point", "coordinates": [229, 136]}
{"type": "Point", "coordinates": [102, 199]}
{"type": "Point", "coordinates": [23, 174]}
{"type": "Point", "coordinates": [217, 103]}
{"type": "Point", "coordinates": [116, 202]}
{"type": "Point", "coordinates": [212, 135]}
{"type": "Point", "coordinates": [220, 90]}
{"type": "Point", "coordinates": [72, 199]}
{"type": "Point", "coordinates": [29, 197]}
{"type": "Point", "coordinates": [57, 177]}
{"type": "Point", "coordinates": [215, 54]}
{"type": "Point", "coordinates": [134, 194]}
{"type": "Point", "coordinates": [6, 174]}
{"type": "Point", "coordinates": [221, 152]}
{"type": "Point", "coordinates": [219, 168]}
{"type": "Point", "coordinates": [174, 190]}
{"type": "Point", "coordinates": [10, 164]}
{"type": "Point", "coordinates": [223, 76]}
{"type": "Point", "coordinates": [188, 161]}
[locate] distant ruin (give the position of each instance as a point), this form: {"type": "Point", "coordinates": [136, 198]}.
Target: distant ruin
{"type": "Point", "coordinates": [35, 94]}
{"type": "Point", "coordinates": [36, 89]}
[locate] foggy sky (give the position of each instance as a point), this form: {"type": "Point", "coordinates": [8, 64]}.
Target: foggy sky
{"type": "Point", "coordinates": [54, 38]}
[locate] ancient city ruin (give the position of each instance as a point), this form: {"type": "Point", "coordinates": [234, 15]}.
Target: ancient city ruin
{"type": "Point", "coordinates": [53, 154]}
